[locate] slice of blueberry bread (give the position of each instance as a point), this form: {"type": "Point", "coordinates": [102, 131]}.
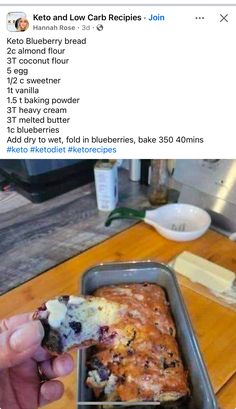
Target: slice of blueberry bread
{"type": "Point", "coordinates": [71, 321]}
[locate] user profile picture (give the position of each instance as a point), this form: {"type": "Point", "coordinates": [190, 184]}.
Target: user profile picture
{"type": "Point", "coordinates": [21, 24]}
{"type": "Point", "coordinates": [17, 21]}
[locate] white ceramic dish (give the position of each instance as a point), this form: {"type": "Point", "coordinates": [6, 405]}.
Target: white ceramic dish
{"type": "Point", "coordinates": [178, 221]}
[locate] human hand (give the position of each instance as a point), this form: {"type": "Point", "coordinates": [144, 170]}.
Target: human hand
{"type": "Point", "coordinates": [23, 364]}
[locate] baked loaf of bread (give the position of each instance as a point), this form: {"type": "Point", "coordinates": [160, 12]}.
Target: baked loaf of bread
{"type": "Point", "coordinates": [71, 321]}
{"type": "Point", "coordinates": [143, 363]}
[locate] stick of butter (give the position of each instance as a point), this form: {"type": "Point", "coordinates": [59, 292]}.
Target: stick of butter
{"type": "Point", "coordinates": [204, 272]}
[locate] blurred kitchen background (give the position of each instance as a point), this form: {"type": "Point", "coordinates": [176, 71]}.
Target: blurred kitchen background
{"type": "Point", "coordinates": [49, 210]}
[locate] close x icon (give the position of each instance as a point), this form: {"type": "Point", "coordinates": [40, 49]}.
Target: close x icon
{"type": "Point", "coordinates": [224, 18]}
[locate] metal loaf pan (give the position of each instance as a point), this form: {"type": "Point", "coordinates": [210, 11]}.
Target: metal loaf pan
{"type": "Point", "coordinates": [202, 395]}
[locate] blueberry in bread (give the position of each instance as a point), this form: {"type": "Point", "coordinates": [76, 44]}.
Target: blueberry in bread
{"type": "Point", "coordinates": [71, 321]}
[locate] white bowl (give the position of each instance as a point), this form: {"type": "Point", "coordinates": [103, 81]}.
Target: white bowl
{"type": "Point", "coordinates": [179, 221]}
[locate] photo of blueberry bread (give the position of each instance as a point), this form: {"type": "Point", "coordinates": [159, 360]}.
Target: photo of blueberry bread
{"type": "Point", "coordinates": [133, 354]}
{"type": "Point", "coordinates": [143, 363]}
{"type": "Point", "coordinates": [71, 322]}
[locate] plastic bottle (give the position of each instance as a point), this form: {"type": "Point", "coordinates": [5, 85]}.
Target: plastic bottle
{"type": "Point", "coordinates": [134, 170]}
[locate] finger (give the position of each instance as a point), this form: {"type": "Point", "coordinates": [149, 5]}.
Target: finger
{"type": "Point", "coordinates": [56, 367]}
{"type": "Point", "coordinates": [15, 321]}
{"type": "Point", "coordinates": [20, 343]}
{"type": "Point", "coordinates": [42, 355]}
{"type": "Point", "coordinates": [50, 391]}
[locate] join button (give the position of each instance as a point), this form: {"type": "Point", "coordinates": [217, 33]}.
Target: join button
{"type": "Point", "coordinates": [156, 17]}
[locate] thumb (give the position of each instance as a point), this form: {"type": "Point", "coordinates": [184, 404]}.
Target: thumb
{"type": "Point", "coordinates": [20, 343]}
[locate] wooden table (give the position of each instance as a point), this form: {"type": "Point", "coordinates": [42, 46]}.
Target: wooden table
{"type": "Point", "coordinates": [215, 325]}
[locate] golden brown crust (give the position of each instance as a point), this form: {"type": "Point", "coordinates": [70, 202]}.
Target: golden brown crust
{"type": "Point", "coordinates": [145, 362]}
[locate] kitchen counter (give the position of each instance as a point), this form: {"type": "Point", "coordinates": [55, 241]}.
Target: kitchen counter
{"type": "Point", "coordinates": [214, 325]}
{"type": "Point", "coordinates": [36, 237]}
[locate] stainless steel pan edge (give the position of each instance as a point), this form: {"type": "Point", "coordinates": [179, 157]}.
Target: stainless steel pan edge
{"type": "Point", "coordinates": [129, 270]}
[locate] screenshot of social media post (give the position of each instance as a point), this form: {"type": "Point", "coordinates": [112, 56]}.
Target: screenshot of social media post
{"type": "Point", "coordinates": [117, 81]}
{"type": "Point", "coordinates": [117, 206]}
